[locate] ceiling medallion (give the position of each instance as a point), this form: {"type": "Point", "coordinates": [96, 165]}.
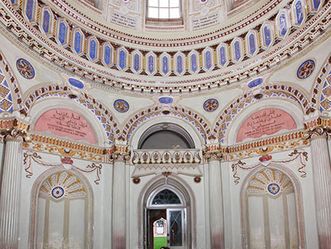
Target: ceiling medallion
{"type": "Point", "coordinates": [121, 105]}
{"type": "Point", "coordinates": [305, 69]}
{"type": "Point", "coordinates": [25, 68]}
{"type": "Point", "coordinates": [76, 83]}
{"type": "Point", "coordinates": [57, 192]}
{"type": "Point", "coordinates": [273, 189]}
{"type": "Point", "coordinates": [210, 105]}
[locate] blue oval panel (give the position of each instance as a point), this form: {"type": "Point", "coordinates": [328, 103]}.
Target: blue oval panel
{"type": "Point", "coordinates": [255, 82]}
{"type": "Point", "coordinates": [76, 83]}
{"type": "Point", "coordinates": [166, 100]}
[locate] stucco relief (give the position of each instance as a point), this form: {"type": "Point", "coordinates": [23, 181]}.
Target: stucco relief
{"type": "Point", "coordinates": [265, 122]}
{"type": "Point", "coordinates": [66, 123]}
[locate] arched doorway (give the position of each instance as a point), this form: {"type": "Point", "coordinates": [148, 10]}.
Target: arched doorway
{"type": "Point", "coordinates": [271, 211]}
{"type": "Point", "coordinates": [166, 223]}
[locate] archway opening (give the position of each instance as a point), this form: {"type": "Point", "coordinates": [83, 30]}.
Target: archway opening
{"type": "Point", "coordinates": [166, 136]}
{"type": "Point", "coordinates": [63, 215]}
{"type": "Point", "coordinates": [271, 211]}
{"type": "Point", "coordinates": [166, 223]}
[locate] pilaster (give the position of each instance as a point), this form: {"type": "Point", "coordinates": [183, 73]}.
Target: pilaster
{"type": "Point", "coordinates": [322, 184]}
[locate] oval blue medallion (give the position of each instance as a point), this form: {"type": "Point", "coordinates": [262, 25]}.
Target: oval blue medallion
{"type": "Point", "coordinates": [76, 83]}
{"type": "Point", "coordinates": [222, 56]}
{"type": "Point", "coordinates": [93, 49]}
{"type": "Point", "coordinates": [46, 21]}
{"type": "Point", "coordinates": [267, 36]}
{"type": "Point", "coordinates": [30, 9]}
{"type": "Point", "coordinates": [122, 56]}
{"type": "Point", "coordinates": [252, 46]}
{"type": "Point", "coordinates": [107, 55]}
{"type": "Point", "coordinates": [63, 31]}
{"type": "Point", "coordinates": [299, 12]}
{"type": "Point", "coordinates": [136, 62]}
{"type": "Point", "coordinates": [237, 52]}
{"type": "Point", "coordinates": [166, 100]}
{"type": "Point", "coordinates": [194, 65]}
{"type": "Point", "coordinates": [179, 64]}
{"type": "Point", "coordinates": [208, 60]}
{"type": "Point", "coordinates": [150, 64]}
{"type": "Point", "coordinates": [165, 66]}
{"type": "Point", "coordinates": [282, 25]}
{"type": "Point", "coordinates": [255, 83]}
{"type": "Point", "coordinates": [78, 42]}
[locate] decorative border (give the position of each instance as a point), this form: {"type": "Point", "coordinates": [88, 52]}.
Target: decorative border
{"type": "Point", "coordinates": [300, 38]}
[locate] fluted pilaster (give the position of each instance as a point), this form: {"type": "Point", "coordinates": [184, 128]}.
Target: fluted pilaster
{"type": "Point", "coordinates": [322, 185]}
{"type": "Point", "coordinates": [119, 204]}
{"type": "Point", "coordinates": [10, 193]}
{"type": "Point", "coordinates": [216, 204]}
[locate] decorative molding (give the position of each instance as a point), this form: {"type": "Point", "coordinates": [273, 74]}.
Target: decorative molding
{"type": "Point", "coordinates": [294, 155]}
{"type": "Point", "coordinates": [299, 39]}
{"type": "Point", "coordinates": [176, 156]}
{"type": "Point", "coordinates": [65, 162]}
{"type": "Point", "coordinates": [67, 148]}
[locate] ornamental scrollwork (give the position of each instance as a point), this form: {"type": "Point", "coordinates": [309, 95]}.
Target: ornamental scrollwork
{"type": "Point", "coordinates": [265, 160]}
{"type": "Point", "coordinates": [65, 162]}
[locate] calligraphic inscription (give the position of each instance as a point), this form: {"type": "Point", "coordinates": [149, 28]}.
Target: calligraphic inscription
{"type": "Point", "coordinates": [66, 123]}
{"type": "Point", "coordinates": [265, 122]}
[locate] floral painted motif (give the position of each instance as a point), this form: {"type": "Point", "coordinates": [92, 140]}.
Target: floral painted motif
{"type": "Point", "coordinates": [273, 188]}
{"type": "Point", "coordinates": [306, 69]}
{"type": "Point", "coordinates": [121, 105]}
{"type": "Point", "coordinates": [210, 105]}
{"type": "Point", "coordinates": [25, 68]}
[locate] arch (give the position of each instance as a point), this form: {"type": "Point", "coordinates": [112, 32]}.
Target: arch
{"type": "Point", "coordinates": [139, 131]}
{"type": "Point", "coordinates": [34, 206]}
{"type": "Point", "coordinates": [174, 183]}
{"type": "Point", "coordinates": [44, 122]}
{"type": "Point", "coordinates": [298, 201]}
{"type": "Point", "coordinates": [180, 113]}
{"type": "Point", "coordinates": [102, 114]}
{"type": "Point", "coordinates": [9, 82]}
{"type": "Point", "coordinates": [287, 110]}
{"type": "Point", "coordinates": [279, 91]}
{"type": "Point", "coordinates": [321, 80]}
{"type": "Point", "coordinates": [174, 134]}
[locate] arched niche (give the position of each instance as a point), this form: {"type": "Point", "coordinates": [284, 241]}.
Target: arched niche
{"type": "Point", "coordinates": [271, 209]}
{"type": "Point", "coordinates": [166, 136]}
{"type": "Point", "coordinates": [68, 120]}
{"type": "Point", "coordinates": [277, 117]}
{"type": "Point", "coordinates": [184, 201]}
{"type": "Point", "coordinates": [187, 130]}
{"type": "Point", "coordinates": [62, 203]}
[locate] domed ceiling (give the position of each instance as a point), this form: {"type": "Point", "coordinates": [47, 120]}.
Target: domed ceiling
{"type": "Point", "coordinates": [166, 46]}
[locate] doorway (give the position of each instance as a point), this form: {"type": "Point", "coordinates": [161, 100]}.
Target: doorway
{"type": "Point", "coordinates": [165, 220]}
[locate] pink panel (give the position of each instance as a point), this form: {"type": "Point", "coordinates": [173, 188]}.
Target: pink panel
{"type": "Point", "coordinates": [66, 123]}
{"type": "Point", "coordinates": [265, 122]}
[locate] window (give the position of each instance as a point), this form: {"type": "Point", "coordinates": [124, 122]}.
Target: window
{"type": "Point", "coordinates": [164, 9]}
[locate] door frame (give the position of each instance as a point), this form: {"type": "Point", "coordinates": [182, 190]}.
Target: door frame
{"type": "Point", "coordinates": [186, 196]}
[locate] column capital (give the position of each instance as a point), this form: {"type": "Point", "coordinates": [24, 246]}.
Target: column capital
{"type": "Point", "coordinates": [214, 155]}
{"type": "Point", "coordinates": [319, 132]}
{"type": "Point", "coordinates": [13, 128]}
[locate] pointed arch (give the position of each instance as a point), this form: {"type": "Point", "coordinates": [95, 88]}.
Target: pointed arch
{"type": "Point", "coordinates": [277, 91]}
{"type": "Point", "coordinates": [103, 115]}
